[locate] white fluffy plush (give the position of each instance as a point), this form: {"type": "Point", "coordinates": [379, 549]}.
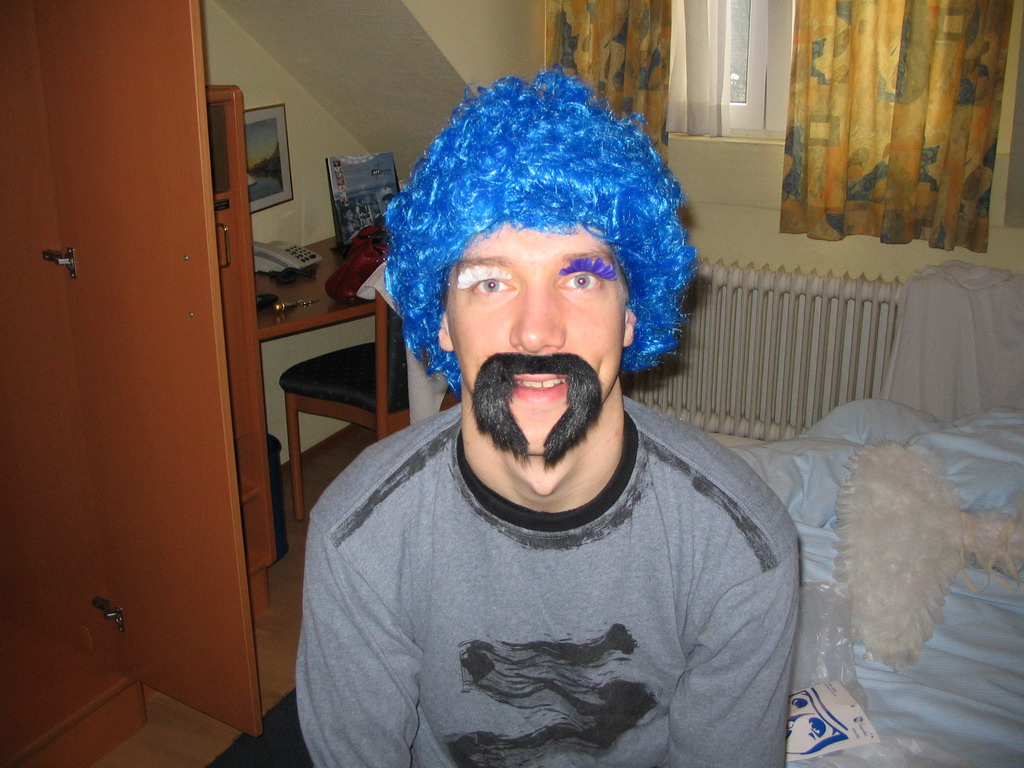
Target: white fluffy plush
{"type": "Point", "coordinates": [899, 549]}
{"type": "Point", "coordinates": [993, 540]}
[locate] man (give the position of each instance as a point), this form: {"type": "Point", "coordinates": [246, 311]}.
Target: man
{"type": "Point", "coordinates": [550, 575]}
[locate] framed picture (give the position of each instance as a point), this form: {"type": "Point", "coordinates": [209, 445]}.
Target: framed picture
{"type": "Point", "coordinates": [266, 149]}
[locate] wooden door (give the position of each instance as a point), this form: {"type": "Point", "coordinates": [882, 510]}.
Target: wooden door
{"type": "Point", "coordinates": [143, 460]}
{"type": "Point", "coordinates": [226, 110]}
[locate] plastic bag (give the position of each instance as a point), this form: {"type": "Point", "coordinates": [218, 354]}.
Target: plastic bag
{"type": "Point", "coordinates": [824, 644]}
{"type": "Point", "coordinates": [364, 255]}
{"type": "Point", "coordinates": [824, 653]}
{"type": "Point", "coordinates": [892, 752]}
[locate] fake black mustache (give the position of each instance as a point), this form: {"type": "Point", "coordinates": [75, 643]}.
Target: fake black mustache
{"type": "Point", "coordinates": [492, 395]}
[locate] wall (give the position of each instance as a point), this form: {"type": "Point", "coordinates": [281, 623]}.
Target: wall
{"type": "Point", "coordinates": [733, 189]}
{"type": "Point", "coordinates": [507, 36]}
{"type": "Point", "coordinates": [732, 186]}
{"type": "Point", "coordinates": [1014, 118]}
{"type": "Point", "coordinates": [234, 58]}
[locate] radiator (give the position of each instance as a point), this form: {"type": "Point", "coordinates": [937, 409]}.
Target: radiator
{"type": "Point", "coordinates": [766, 353]}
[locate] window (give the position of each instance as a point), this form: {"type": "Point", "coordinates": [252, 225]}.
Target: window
{"type": "Point", "coordinates": [761, 44]}
{"type": "Point", "coordinates": [739, 42]}
{"type": "Point", "coordinates": [755, 55]}
{"type": "Point", "coordinates": [747, 49]}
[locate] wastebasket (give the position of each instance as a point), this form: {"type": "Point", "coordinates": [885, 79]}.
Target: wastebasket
{"type": "Point", "coordinates": [277, 496]}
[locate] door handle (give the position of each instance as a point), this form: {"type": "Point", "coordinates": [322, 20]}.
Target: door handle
{"type": "Point", "coordinates": [225, 251]}
{"type": "Point", "coordinates": [114, 614]}
{"type": "Point", "coordinates": [65, 259]}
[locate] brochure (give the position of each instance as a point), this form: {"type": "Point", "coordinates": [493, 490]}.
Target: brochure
{"type": "Point", "coordinates": [361, 188]}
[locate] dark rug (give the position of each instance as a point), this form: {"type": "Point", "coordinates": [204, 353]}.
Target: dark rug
{"type": "Point", "coordinates": [280, 746]}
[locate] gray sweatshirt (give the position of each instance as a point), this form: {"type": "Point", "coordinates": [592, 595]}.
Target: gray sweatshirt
{"type": "Point", "coordinates": [445, 626]}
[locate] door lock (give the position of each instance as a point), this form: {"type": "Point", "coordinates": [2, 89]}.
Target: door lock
{"type": "Point", "coordinates": [65, 259]}
{"type": "Point", "coordinates": [114, 614]}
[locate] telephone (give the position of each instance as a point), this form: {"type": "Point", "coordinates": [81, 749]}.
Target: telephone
{"type": "Point", "coordinates": [278, 255]}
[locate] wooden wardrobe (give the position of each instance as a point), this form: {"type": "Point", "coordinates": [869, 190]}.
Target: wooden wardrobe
{"type": "Point", "coordinates": [124, 485]}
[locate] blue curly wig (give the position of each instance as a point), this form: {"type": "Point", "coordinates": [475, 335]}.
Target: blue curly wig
{"type": "Point", "coordinates": [546, 156]}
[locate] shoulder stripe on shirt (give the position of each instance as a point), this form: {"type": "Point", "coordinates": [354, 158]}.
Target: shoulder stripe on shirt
{"type": "Point", "coordinates": [750, 530]}
{"type": "Point", "coordinates": [408, 469]}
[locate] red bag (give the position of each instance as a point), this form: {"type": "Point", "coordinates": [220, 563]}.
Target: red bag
{"type": "Point", "coordinates": [365, 254]}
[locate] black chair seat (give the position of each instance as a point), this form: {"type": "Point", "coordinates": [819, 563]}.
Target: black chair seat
{"type": "Point", "coordinates": [343, 385]}
{"type": "Point", "coordinates": [344, 376]}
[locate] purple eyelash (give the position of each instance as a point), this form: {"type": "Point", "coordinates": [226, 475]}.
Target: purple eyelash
{"type": "Point", "coordinates": [595, 266]}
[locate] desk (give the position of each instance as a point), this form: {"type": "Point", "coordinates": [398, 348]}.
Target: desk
{"type": "Point", "coordinates": [326, 311]}
{"type": "Point", "coordinates": [425, 392]}
{"type": "Point", "coordinates": [277, 353]}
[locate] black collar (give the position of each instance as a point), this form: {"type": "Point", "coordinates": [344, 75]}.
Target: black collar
{"type": "Point", "coordinates": [531, 519]}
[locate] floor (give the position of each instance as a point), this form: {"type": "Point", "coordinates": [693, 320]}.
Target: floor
{"type": "Point", "coordinates": [177, 736]}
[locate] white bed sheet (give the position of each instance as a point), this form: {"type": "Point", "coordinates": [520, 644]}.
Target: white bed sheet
{"type": "Point", "coordinates": [963, 703]}
{"type": "Point", "coordinates": [966, 695]}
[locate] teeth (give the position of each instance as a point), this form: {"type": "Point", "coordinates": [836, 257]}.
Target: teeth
{"type": "Point", "coordinates": [547, 384]}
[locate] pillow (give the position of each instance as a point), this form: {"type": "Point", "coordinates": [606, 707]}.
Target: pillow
{"type": "Point", "coordinates": [993, 419]}
{"type": "Point", "coordinates": [875, 421]}
{"type": "Point", "coordinates": [981, 456]}
{"type": "Point", "coordinates": [805, 472]}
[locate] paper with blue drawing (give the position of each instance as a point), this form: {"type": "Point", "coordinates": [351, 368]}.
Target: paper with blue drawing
{"type": "Point", "coordinates": [825, 718]}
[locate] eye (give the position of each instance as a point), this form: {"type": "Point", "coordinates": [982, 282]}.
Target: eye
{"type": "Point", "coordinates": [588, 272]}
{"type": "Point", "coordinates": [584, 280]}
{"type": "Point", "coordinates": [489, 286]}
{"type": "Point", "coordinates": [482, 278]}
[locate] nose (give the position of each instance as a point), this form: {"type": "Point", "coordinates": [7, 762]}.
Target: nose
{"type": "Point", "coordinates": [539, 324]}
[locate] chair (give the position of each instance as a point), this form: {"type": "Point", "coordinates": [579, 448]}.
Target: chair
{"type": "Point", "coordinates": [366, 384]}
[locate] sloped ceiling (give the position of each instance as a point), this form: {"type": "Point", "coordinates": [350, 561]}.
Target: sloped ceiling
{"type": "Point", "coordinates": [369, 63]}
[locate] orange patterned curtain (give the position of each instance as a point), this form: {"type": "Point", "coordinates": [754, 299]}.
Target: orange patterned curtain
{"type": "Point", "coordinates": [621, 48]}
{"type": "Point", "coordinates": [893, 114]}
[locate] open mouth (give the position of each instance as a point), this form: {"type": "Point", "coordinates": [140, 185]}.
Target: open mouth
{"type": "Point", "coordinates": [560, 380]}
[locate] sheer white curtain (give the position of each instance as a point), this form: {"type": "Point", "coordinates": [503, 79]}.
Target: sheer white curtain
{"type": "Point", "coordinates": [698, 90]}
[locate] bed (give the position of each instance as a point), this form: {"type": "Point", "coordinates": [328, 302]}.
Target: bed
{"type": "Point", "coordinates": [911, 545]}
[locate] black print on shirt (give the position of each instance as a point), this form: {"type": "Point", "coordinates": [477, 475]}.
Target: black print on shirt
{"type": "Point", "coordinates": [576, 690]}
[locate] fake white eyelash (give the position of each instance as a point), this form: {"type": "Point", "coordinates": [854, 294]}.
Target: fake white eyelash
{"type": "Point", "coordinates": [470, 276]}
